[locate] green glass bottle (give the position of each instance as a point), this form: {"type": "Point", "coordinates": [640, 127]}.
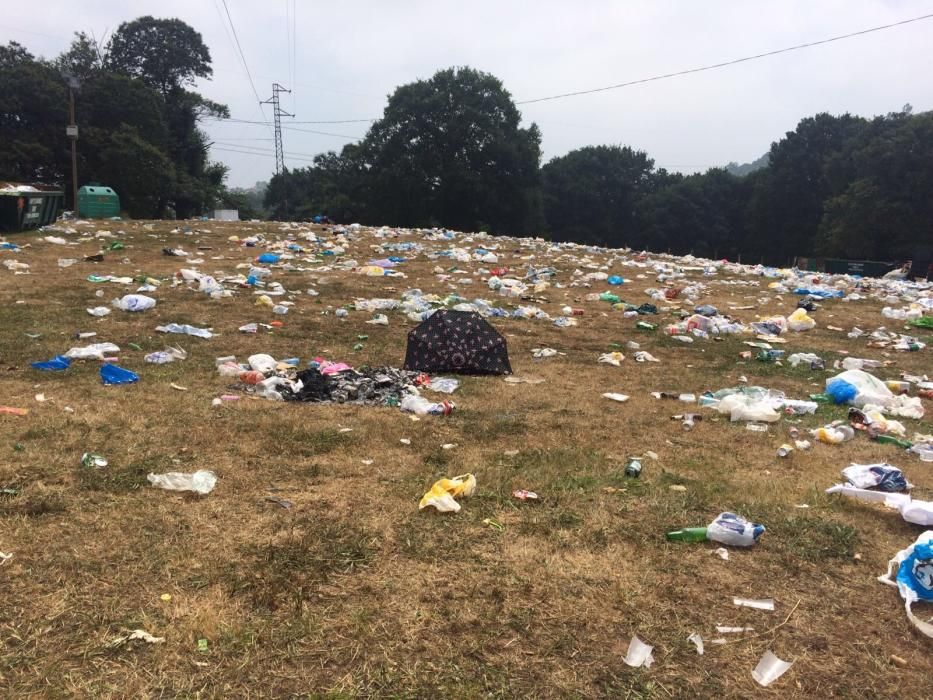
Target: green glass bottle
{"type": "Point", "coordinates": [687, 534]}
{"type": "Point", "coordinates": [891, 440]}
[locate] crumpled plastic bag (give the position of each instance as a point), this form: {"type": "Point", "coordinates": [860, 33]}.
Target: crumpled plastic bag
{"type": "Point", "coordinates": [444, 491]}
{"type": "Point", "coordinates": [914, 579]}
{"type": "Point", "coordinates": [201, 481]}
{"type": "Point", "coordinates": [111, 374]}
{"type": "Point", "coordinates": [95, 351]}
{"type": "Point", "coordinates": [134, 302]}
{"type": "Point", "coordinates": [800, 321]}
{"type": "Point", "coordinates": [749, 408]}
{"type": "Point", "coordinates": [612, 358]}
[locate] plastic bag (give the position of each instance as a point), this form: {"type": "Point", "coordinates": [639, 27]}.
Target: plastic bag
{"type": "Point", "coordinates": [170, 354]}
{"type": "Point", "coordinates": [734, 530]}
{"type": "Point", "coordinates": [883, 477]}
{"type": "Point", "coordinates": [111, 374]}
{"type": "Point", "coordinates": [445, 385]}
{"type": "Point", "coordinates": [94, 351]}
{"type": "Point", "coordinates": [800, 321]}
{"type": "Point", "coordinates": [58, 363]}
{"type": "Point", "coordinates": [444, 491]}
{"type": "Point", "coordinates": [134, 302]}
{"type": "Point", "coordinates": [201, 481]}
{"type": "Point", "coordinates": [914, 578]}
{"type": "Point", "coordinates": [858, 388]}
{"type": "Point", "coordinates": [747, 407]}
{"type": "Point", "coordinates": [769, 669]}
{"type": "Point", "coordinates": [99, 311]}
{"type": "Point", "coordinates": [185, 329]}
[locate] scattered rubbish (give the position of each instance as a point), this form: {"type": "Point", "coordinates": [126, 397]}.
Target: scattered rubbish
{"type": "Point", "coordinates": [13, 411]}
{"type": "Point", "coordinates": [59, 363]}
{"type": "Point", "coordinates": [141, 635]}
{"type": "Point", "coordinates": [763, 604]}
{"type": "Point", "coordinates": [525, 495]}
{"type": "Point", "coordinates": [89, 459]}
{"type": "Point", "coordinates": [733, 630]}
{"type": "Point", "coordinates": [134, 302]}
{"type": "Point", "coordinates": [883, 477]}
{"type": "Point", "coordinates": [443, 493]}
{"type": "Point", "coordinates": [111, 374]}
{"type": "Point", "coordinates": [493, 524]}
{"type": "Point", "coordinates": [201, 481]}
{"type": "Point", "coordinates": [5, 557]}
{"type": "Point", "coordinates": [186, 330]}
{"type": "Point", "coordinates": [420, 406]}
{"type": "Point", "coordinates": [621, 398]}
{"type": "Point", "coordinates": [722, 553]}
{"type": "Point", "coordinates": [541, 353]}
{"type": "Point", "coordinates": [612, 358]}
{"type": "Point", "coordinates": [914, 577]}
{"type": "Point", "coordinates": [99, 311]}
{"type": "Point", "coordinates": [285, 503]}
{"type": "Point", "coordinates": [769, 669]}
{"type": "Point", "coordinates": [633, 468]}
{"type": "Point", "coordinates": [727, 528]}
{"type": "Point", "coordinates": [698, 641]}
{"type": "Point", "coordinates": [639, 654]}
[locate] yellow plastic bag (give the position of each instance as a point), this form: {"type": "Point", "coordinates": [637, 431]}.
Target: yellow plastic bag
{"type": "Point", "coordinates": [371, 271]}
{"type": "Point", "coordinates": [800, 321]}
{"type": "Point", "coordinates": [444, 491]}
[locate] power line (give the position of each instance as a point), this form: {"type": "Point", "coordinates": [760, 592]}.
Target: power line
{"type": "Point", "coordinates": [242, 55]}
{"type": "Point", "coordinates": [316, 121]}
{"type": "Point", "coordinates": [290, 128]}
{"type": "Point", "coordinates": [727, 63]}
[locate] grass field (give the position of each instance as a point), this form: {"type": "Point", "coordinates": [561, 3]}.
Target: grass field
{"type": "Point", "coordinates": [352, 592]}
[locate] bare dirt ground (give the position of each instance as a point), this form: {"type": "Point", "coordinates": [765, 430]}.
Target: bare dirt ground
{"type": "Point", "coordinates": [353, 592]}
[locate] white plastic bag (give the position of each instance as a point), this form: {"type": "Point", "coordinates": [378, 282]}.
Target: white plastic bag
{"type": "Point", "coordinates": [201, 481]}
{"type": "Point", "coordinates": [134, 302]}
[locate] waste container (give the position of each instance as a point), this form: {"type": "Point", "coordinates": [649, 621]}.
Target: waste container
{"type": "Point", "coordinates": [25, 206]}
{"type": "Point", "coordinates": [96, 201]}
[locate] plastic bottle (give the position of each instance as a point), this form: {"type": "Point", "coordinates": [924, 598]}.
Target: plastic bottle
{"type": "Point", "coordinates": [834, 434]}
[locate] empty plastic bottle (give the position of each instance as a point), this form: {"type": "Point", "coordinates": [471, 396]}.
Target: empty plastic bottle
{"type": "Point", "coordinates": [202, 481]}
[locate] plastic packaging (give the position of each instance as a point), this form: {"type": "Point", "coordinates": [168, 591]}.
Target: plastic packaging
{"type": "Point", "coordinates": [800, 321]}
{"type": "Point", "coordinates": [769, 669]}
{"type": "Point", "coordinates": [134, 302]}
{"type": "Point", "coordinates": [111, 374]}
{"type": "Point", "coordinates": [162, 357]}
{"type": "Point", "coordinates": [833, 434]}
{"type": "Point", "coordinates": [59, 363]}
{"type": "Point", "coordinates": [883, 477]}
{"type": "Point", "coordinates": [95, 351]}
{"type": "Point", "coordinates": [734, 530]}
{"type": "Point", "coordinates": [914, 577]}
{"type": "Point", "coordinates": [99, 311]}
{"type": "Point", "coordinates": [443, 493]}
{"type": "Point", "coordinates": [422, 407]}
{"type": "Point", "coordinates": [201, 481]}
{"type": "Point", "coordinates": [185, 329]}
{"type": "Point", "coordinates": [639, 654]}
{"type": "Point", "coordinates": [445, 385]}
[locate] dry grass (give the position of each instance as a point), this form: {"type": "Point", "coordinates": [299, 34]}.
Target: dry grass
{"type": "Point", "coordinates": [353, 592]}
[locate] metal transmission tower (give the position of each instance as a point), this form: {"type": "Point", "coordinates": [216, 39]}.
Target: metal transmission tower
{"type": "Point", "coordinates": [278, 113]}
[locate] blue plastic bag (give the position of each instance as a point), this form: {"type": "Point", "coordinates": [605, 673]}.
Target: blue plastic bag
{"type": "Point", "coordinates": [841, 390]}
{"type": "Point", "coordinates": [614, 280]}
{"type": "Point", "coordinates": [59, 363]}
{"type": "Point", "coordinates": [914, 580]}
{"type": "Point", "coordinates": [268, 258]}
{"type": "Point", "coordinates": [111, 374]}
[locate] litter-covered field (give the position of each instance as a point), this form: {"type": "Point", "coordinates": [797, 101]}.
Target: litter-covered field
{"type": "Point", "coordinates": [260, 369]}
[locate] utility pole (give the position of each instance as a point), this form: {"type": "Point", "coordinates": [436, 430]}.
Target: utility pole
{"type": "Point", "coordinates": [278, 113]}
{"type": "Point", "coordinates": [71, 131]}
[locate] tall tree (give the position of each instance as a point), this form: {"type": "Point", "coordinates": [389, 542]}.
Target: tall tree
{"type": "Point", "coordinates": [164, 53]}
{"type": "Point", "coordinates": [590, 194]}
{"type": "Point", "coordinates": [450, 151]}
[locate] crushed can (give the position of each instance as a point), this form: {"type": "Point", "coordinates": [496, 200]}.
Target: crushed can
{"type": "Point", "coordinates": [785, 450]}
{"type": "Point", "coordinates": [633, 467]}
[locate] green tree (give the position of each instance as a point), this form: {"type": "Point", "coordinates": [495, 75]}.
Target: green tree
{"type": "Point", "coordinates": [165, 54]}
{"type": "Point", "coordinates": [450, 151]}
{"type": "Point", "coordinates": [33, 115]}
{"type": "Point", "coordinates": [141, 173]}
{"type": "Point", "coordinates": [591, 194]}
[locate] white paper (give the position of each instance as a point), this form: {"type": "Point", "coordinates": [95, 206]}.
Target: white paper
{"type": "Point", "coordinates": [698, 641]}
{"type": "Point", "coordinates": [621, 398]}
{"type": "Point", "coordinates": [758, 604]}
{"type": "Point", "coordinates": [733, 630]}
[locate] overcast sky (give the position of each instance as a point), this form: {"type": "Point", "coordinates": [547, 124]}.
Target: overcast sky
{"type": "Point", "coordinates": [350, 55]}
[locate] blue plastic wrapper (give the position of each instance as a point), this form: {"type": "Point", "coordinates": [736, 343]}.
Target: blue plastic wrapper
{"type": "Point", "coordinates": [59, 363]}
{"type": "Point", "coordinates": [841, 390]}
{"type": "Point", "coordinates": [268, 258]}
{"type": "Point", "coordinates": [615, 280]}
{"type": "Point", "coordinates": [111, 374]}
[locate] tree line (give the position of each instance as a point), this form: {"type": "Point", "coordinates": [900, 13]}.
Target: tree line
{"type": "Point", "coordinates": [450, 151]}
{"type": "Point", "coordinates": [138, 119]}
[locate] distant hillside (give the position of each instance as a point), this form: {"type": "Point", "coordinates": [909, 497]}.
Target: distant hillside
{"type": "Point", "coordinates": [746, 168]}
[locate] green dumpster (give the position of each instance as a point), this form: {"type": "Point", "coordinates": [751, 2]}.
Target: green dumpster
{"type": "Point", "coordinates": [27, 206]}
{"type": "Point", "coordinates": [98, 202]}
